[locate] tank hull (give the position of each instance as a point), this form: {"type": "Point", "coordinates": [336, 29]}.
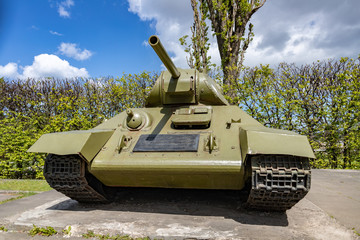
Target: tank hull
{"type": "Point", "coordinates": [109, 150]}
{"type": "Point", "coordinates": [236, 134]}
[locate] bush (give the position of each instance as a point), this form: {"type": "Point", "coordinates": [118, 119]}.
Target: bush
{"type": "Point", "coordinates": [31, 108]}
{"type": "Point", "coordinates": [321, 101]}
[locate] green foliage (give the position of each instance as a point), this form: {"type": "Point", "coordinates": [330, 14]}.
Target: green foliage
{"type": "Point", "coordinates": [47, 231]}
{"type": "Point", "coordinates": [91, 234]}
{"type": "Point", "coordinates": [321, 101]}
{"type": "Point", "coordinates": [19, 196]}
{"type": "Point", "coordinates": [199, 46]}
{"type": "Point", "coordinates": [24, 185]}
{"type": "Point", "coordinates": [31, 108]}
{"type": "Point", "coordinates": [233, 31]}
{"type": "Point", "coordinates": [67, 230]}
{"type": "Point", "coordinates": [2, 228]}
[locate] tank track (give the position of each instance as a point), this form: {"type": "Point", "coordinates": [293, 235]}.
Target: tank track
{"type": "Point", "coordinates": [67, 174]}
{"type": "Point", "coordinates": [278, 182]}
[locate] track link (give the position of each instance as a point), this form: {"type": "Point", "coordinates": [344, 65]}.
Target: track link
{"type": "Point", "coordinates": [278, 182]}
{"type": "Point", "coordinates": [67, 174]}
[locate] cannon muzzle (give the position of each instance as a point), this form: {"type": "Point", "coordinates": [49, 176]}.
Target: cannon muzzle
{"type": "Point", "coordinates": [155, 43]}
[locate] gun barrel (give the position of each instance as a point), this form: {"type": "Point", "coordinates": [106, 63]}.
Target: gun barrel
{"type": "Point", "coordinates": [155, 43]}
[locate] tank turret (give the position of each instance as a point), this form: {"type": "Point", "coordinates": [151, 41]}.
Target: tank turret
{"type": "Point", "coordinates": [182, 86]}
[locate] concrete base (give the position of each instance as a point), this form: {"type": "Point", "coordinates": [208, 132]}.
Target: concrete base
{"type": "Point", "coordinates": [174, 214]}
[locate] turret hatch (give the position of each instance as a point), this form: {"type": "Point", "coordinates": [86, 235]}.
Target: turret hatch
{"type": "Point", "coordinates": [192, 117]}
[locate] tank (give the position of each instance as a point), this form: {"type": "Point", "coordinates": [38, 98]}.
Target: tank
{"type": "Point", "coordinates": [187, 136]}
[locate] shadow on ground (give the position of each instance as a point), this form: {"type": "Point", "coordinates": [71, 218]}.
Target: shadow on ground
{"type": "Point", "coordinates": [223, 203]}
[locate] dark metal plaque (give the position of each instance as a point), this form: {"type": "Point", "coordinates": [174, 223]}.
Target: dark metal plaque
{"type": "Point", "coordinates": [167, 143]}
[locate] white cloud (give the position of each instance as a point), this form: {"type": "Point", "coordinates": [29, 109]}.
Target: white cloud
{"type": "Point", "coordinates": [10, 70]}
{"type": "Point", "coordinates": [285, 31]}
{"type": "Point", "coordinates": [145, 43]}
{"type": "Point", "coordinates": [71, 50]}
{"type": "Point", "coordinates": [55, 33]}
{"type": "Point", "coordinates": [297, 47]}
{"type": "Point", "coordinates": [34, 27]}
{"type": "Point", "coordinates": [64, 7]}
{"type": "Point", "coordinates": [171, 19]}
{"type": "Point", "coordinates": [44, 65]}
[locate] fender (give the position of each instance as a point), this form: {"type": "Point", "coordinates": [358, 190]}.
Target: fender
{"type": "Point", "coordinates": [255, 140]}
{"type": "Point", "coordinates": [86, 143]}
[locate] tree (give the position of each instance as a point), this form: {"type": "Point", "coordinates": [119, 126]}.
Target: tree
{"type": "Point", "coordinates": [199, 45]}
{"type": "Point", "coordinates": [229, 21]}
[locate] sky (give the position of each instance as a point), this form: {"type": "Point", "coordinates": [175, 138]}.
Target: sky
{"type": "Point", "coordinates": [101, 38]}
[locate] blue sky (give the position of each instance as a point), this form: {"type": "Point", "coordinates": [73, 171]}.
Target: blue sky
{"type": "Point", "coordinates": [111, 36]}
{"type": "Point", "coordinates": [67, 38]}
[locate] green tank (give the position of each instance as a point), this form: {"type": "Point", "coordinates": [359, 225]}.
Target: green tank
{"type": "Point", "coordinates": [187, 136]}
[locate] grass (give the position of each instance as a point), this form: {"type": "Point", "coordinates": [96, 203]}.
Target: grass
{"type": "Point", "coordinates": [21, 195]}
{"type": "Point", "coordinates": [91, 234]}
{"type": "Point", "coordinates": [24, 188]}
{"type": "Point", "coordinates": [3, 229]}
{"type": "Point", "coordinates": [67, 231]}
{"type": "Point", "coordinates": [356, 232]}
{"type": "Point", "coordinates": [24, 185]}
{"type": "Point", "coordinates": [46, 231]}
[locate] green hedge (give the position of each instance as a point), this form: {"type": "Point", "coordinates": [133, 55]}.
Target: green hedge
{"type": "Point", "coordinates": [31, 108]}
{"type": "Point", "coordinates": [321, 100]}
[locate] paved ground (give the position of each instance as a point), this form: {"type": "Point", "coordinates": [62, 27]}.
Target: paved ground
{"type": "Point", "coordinates": [337, 192]}
{"type": "Point", "coordinates": [4, 195]}
{"type": "Point", "coordinates": [329, 211]}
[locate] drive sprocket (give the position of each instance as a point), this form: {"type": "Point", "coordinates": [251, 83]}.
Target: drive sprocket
{"type": "Point", "coordinates": [67, 174]}
{"type": "Point", "coordinates": [278, 182]}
